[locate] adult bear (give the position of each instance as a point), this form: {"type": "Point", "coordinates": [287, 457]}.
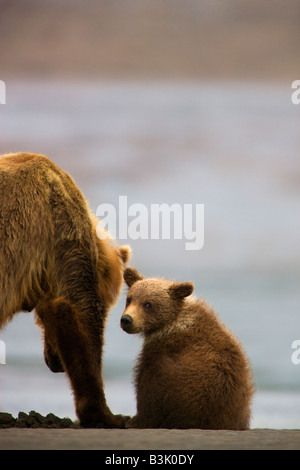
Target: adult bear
{"type": "Point", "coordinates": [52, 260]}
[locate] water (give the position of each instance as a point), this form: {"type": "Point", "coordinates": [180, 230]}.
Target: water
{"type": "Point", "coordinates": [234, 148]}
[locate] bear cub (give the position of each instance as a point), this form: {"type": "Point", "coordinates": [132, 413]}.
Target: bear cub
{"type": "Point", "coordinates": [192, 372]}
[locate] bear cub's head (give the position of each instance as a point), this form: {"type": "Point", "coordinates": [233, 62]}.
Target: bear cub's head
{"type": "Point", "coordinates": [151, 303]}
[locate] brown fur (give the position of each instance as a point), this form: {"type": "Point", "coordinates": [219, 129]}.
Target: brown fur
{"type": "Point", "coordinates": [192, 372]}
{"type": "Point", "coordinates": [51, 260]}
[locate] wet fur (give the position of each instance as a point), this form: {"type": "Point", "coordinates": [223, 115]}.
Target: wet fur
{"type": "Point", "coordinates": [192, 372]}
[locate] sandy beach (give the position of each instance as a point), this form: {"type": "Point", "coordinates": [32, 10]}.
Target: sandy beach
{"type": "Point", "coordinates": [34, 431]}
{"type": "Point", "coordinates": [154, 439]}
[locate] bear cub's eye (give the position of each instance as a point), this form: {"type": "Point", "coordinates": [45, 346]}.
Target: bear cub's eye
{"type": "Point", "coordinates": [147, 306]}
{"type": "Point", "coordinates": [128, 300]}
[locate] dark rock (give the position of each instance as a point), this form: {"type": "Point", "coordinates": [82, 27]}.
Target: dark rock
{"type": "Point", "coordinates": [6, 420]}
{"type": "Point", "coordinates": [36, 420]}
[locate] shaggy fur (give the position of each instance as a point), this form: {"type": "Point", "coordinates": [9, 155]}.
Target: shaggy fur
{"type": "Point", "coordinates": [192, 372]}
{"type": "Point", "coordinates": [52, 261]}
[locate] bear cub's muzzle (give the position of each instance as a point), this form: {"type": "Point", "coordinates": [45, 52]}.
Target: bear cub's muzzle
{"type": "Point", "coordinates": [126, 323]}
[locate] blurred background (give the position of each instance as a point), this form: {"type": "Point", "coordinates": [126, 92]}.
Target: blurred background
{"type": "Point", "coordinates": [168, 102]}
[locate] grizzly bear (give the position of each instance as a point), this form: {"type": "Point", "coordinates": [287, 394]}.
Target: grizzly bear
{"type": "Point", "coordinates": [52, 260]}
{"type": "Point", "coordinates": [192, 372]}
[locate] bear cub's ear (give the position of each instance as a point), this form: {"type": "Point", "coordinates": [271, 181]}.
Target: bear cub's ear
{"type": "Point", "coordinates": [178, 291]}
{"type": "Point", "coordinates": [131, 276]}
{"type": "Point", "coordinates": [124, 252]}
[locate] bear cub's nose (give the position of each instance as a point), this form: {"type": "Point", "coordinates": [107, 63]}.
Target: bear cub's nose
{"type": "Point", "coordinates": [126, 322]}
